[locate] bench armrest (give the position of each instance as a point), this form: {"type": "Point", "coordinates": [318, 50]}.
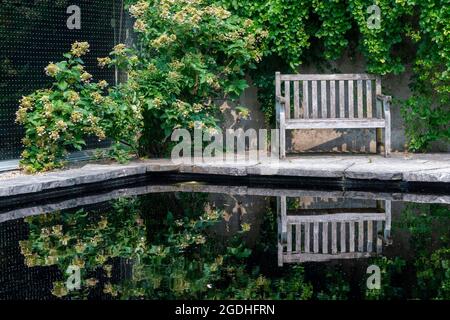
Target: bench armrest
{"type": "Point", "coordinates": [384, 98]}
{"type": "Point", "coordinates": [280, 99]}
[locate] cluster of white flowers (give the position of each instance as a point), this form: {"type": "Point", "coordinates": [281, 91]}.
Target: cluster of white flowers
{"type": "Point", "coordinates": [138, 10]}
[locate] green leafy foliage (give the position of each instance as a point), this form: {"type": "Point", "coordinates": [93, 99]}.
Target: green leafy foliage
{"type": "Point", "coordinates": [430, 239]}
{"type": "Point", "coordinates": [390, 268]}
{"type": "Point", "coordinates": [336, 287]}
{"type": "Point", "coordinates": [189, 56]}
{"type": "Point", "coordinates": [172, 253]}
{"type": "Point", "coordinates": [434, 274]}
{"type": "Point", "coordinates": [59, 118]}
{"type": "Point", "coordinates": [427, 111]}
{"type": "Point", "coordinates": [86, 240]}
{"type": "Point", "coordinates": [317, 32]}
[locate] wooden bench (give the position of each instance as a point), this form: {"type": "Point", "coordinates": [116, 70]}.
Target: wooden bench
{"type": "Point", "coordinates": [324, 235]}
{"type": "Point", "coordinates": [332, 101]}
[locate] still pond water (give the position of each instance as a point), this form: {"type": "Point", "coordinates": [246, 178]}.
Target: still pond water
{"type": "Point", "coordinates": [171, 242]}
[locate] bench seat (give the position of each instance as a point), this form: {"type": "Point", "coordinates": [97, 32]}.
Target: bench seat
{"type": "Point", "coordinates": [337, 123]}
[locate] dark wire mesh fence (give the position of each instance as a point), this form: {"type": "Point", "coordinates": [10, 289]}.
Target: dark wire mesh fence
{"type": "Point", "coordinates": [33, 33]}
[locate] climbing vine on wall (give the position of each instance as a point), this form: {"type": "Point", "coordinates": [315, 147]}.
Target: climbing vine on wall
{"type": "Point", "coordinates": [427, 111]}
{"type": "Point", "coordinates": [410, 32]}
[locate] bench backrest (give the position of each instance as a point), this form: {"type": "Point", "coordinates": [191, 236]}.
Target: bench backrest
{"type": "Point", "coordinates": [335, 233]}
{"type": "Point", "coordinates": [329, 96]}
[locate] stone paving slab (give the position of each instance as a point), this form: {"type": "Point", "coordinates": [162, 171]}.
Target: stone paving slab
{"type": "Point", "coordinates": [392, 169]}
{"type": "Point", "coordinates": [421, 168]}
{"type": "Point", "coordinates": [432, 175]}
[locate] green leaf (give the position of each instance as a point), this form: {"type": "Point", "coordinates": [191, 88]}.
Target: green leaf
{"type": "Point", "coordinates": [62, 85]}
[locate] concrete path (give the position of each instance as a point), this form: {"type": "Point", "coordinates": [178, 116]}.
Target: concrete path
{"type": "Point", "coordinates": [412, 168]}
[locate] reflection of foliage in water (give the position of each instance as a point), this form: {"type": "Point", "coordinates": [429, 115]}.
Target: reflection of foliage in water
{"type": "Point", "coordinates": [434, 273]}
{"type": "Point", "coordinates": [336, 286]}
{"type": "Point", "coordinates": [390, 268]}
{"type": "Point", "coordinates": [85, 240]}
{"type": "Point", "coordinates": [288, 283]}
{"type": "Point", "coordinates": [170, 245]}
{"type": "Point", "coordinates": [428, 225]}
{"type": "Point", "coordinates": [426, 275]}
{"type": "Point", "coordinates": [173, 257]}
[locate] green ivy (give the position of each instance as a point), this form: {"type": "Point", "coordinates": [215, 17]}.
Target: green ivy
{"type": "Point", "coordinates": [411, 33]}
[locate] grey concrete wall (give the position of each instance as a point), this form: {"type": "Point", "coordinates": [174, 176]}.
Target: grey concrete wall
{"type": "Point", "coordinates": [343, 140]}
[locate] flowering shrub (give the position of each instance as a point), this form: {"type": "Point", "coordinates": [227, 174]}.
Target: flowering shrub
{"type": "Point", "coordinates": [73, 108]}
{"type": "Point", "coordinates": [190, 54]}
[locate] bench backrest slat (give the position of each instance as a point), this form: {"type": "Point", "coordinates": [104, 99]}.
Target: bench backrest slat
{"type": "Point", "coordinates": [296, 100]}
{"type": "Point", "coordinates": [341, 99]}
{"type": "Point", "coordinates": [305, 100]}
{"type": "Point", "coordinates": [330, 96]}
{"type": "Point", "coordinates": [369, 98]}
{"type": "Point", "coordinates": [332, 99]}
{"type": "Point", "coordinates": [314, 98]}
{"type": "Point", "coordinates": [351, 105]}
{"type": "Point", "coordinates": [323, 89]}
{"type": "Point", "coordinates": [360, 98]}
{"type": "Point", "coordinates": [379, 111]}
{"type": "Point", "coordinates": [287, 95]}
{"type": "Point", "coordinates": [334, 236]}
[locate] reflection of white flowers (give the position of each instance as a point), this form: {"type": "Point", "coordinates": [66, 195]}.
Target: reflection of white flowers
{"type": "Point", "coordinates": [200, 239]}
{"type": "Point", "coordinates": [91, 282]}
{"type": "Point", "coordinates": [179, 222]}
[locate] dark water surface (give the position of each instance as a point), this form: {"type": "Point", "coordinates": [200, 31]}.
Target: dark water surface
{"type": "Point", "coordinates": [194, 241]}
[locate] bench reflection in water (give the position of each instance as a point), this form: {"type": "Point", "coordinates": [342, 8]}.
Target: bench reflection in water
{"type": "Point", "coordinates": [316, 235]}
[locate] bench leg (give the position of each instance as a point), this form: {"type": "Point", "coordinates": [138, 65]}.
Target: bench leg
{"type": "Point", "coordinates": [282, 143]}
{"type": "Point", "coordinates": [387, 141]}
{"type": "Point", "coordinates": [379, 140]}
